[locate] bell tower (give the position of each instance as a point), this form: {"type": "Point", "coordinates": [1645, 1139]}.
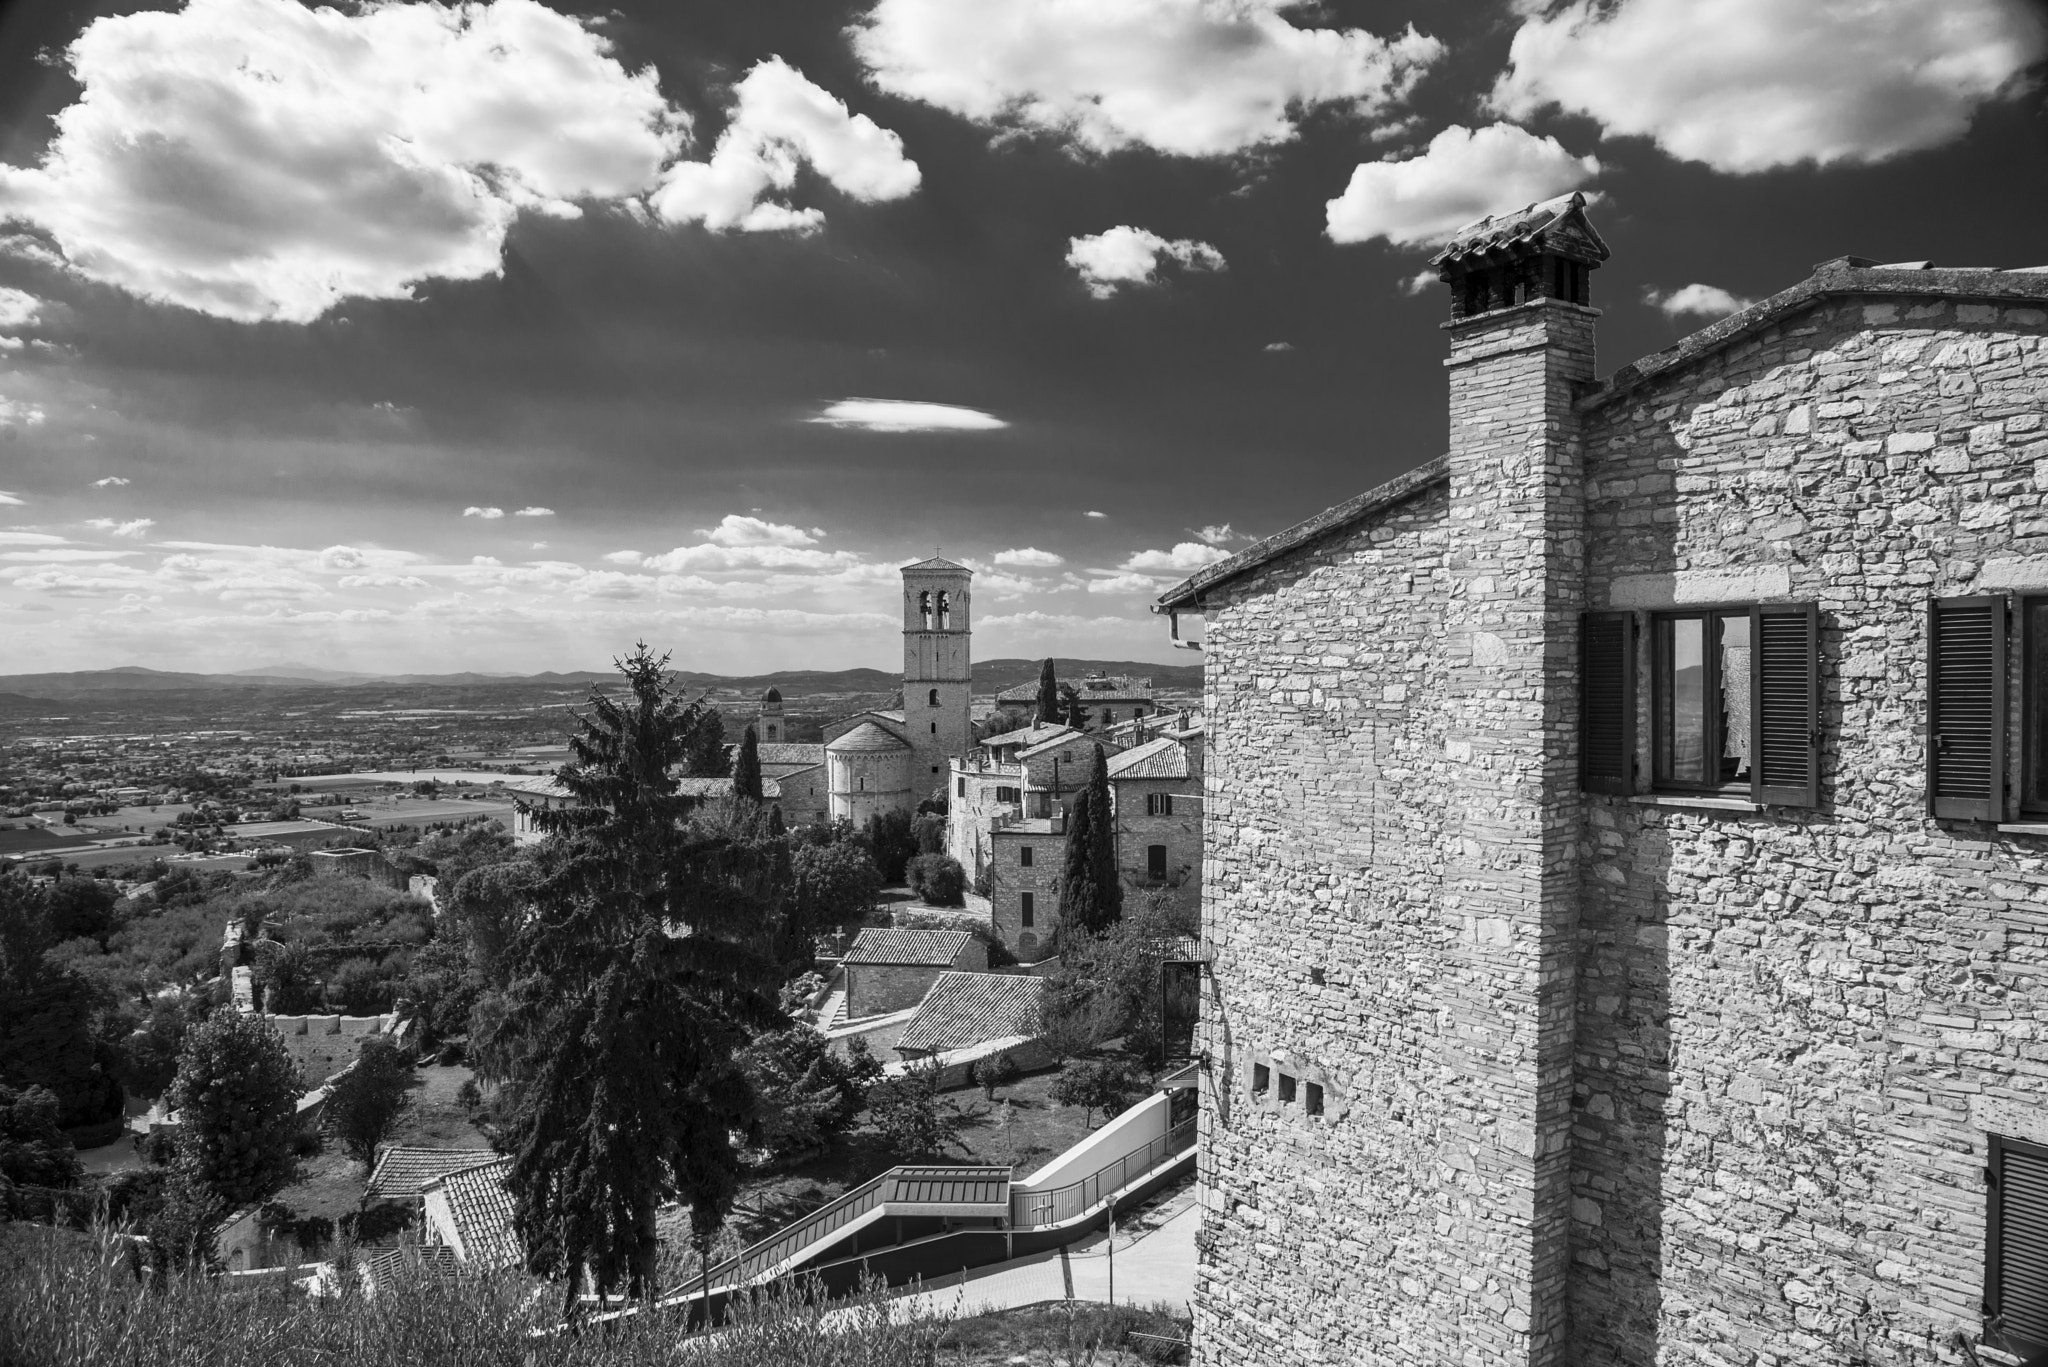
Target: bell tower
{"type": "Point", "coordinates": [938, 672]}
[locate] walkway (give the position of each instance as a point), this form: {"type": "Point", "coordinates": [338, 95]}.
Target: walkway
{"type": "Point", "coordinates": [1156, 1265]}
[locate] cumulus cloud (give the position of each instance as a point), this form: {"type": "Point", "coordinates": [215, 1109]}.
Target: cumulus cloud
{"type": "Point", "coordinates": [110, 482]}
{"type": "Point", "coordinates": [1705, 301]}
{"type": "Point", "coordinates": [382, 581]}
{"type": "Point", "coordinates": [1123, 583]}
{"type": "Point", "coordinates": [63, 555]}
{"type": "Point", "coordinates": [735, 530]}
{"type": "Point", "coordinates": [624, 557]}
{"type": "Point", "coordinates": [260, 159]}
{"type": "Point", "coordinates": [1420, 283]}
{"type": "Point", "coordinates": [1092, 513]}
{"type": "Point", "coordinates": [31, 539]}
{"type": "Point", "coordinates": [138, 527]}
{"type": "Point", "coordinates": [1278, 346]}
{"type": "Point", "coordinates": [20, 413]}
{"type": "Point", "coordinates": [1124, 255]}
{"type": "Point", "coordinates": [1188, 77]}
{"type": "Point", "coordinates": [1464, 174]}
{"type": "Point", "coordinates": [907, 415]}
{"type": "Point", "coordinates": [22, 247]}
{"type": "Point", "coordinates": [535, 512]}
{"type": "Point", "coordinates": [1184, 558]}
{"type": "Point", "coordinates": [1029, 557]}
{"type": "Point", "coordinates": [1747, 85]}
{"type": "Point", "coordinates": [488, 514]}
{"type": "Point", "coordinates": [8, 500]}
{"type": "Point", "coordinates": [18, 308]}
{"type": "Point", "coordinates": [1221, 533]}
{"type": "Point", "coordinates": [780, 122]}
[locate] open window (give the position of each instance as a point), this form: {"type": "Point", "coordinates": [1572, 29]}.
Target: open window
{"type": "Point", "coordinates": [1735, 704]}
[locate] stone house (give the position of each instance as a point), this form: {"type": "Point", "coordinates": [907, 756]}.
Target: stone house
{"type": "Point", "coordinates": [470, 1211]}
{"type": "Point", "coordinates": [967, 1016]}
{"type": "Point", "coordinates": [891, 970]}
{"type": "Point", "coordinates": [1030, 774]}
{"type": "Point", "coordinates": [1106, 700]}
{"type": "Point", "coordinates": [1626, 880]}
{"type": "Point", "coordinates": [1157, 789]}
{"type": "Point", "coordinates": [1025, 854]}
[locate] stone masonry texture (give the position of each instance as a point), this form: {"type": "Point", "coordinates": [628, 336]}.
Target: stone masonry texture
{"type": "Point", "coordinates": [1605, 1081]}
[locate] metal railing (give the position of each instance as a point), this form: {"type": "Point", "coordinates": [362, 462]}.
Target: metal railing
{"type": "Point", "coordinates": [759, 1259]}
{"type": "Point", "coordinates": [1029, 1209]}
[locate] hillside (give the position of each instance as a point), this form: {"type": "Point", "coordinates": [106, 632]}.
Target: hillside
{"type": "Point", "coordinates": [31, 691]}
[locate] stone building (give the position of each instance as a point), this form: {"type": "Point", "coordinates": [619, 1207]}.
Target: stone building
{"type": "Point", "coordinates": [1024, 858]}
{"type": "Point", "coordinates": [1157, 789]}
{"type": "Point", "coordinates": [1625, 892]}
{"type": "Point", "coordinates": [867, 773]}
{"type": "Point", "coordinates": [1106, 700]}
{"type": "Point", "coordinates": [891, 970]}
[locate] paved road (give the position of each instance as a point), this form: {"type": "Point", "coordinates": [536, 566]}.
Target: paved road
{"type": "Point", "coordinates": [1158, 1265]}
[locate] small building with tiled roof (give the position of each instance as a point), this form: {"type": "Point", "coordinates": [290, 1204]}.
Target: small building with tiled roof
{"type": "Point", "coordinates": [891, 969]}
{"type": "Point", "coordinates": [403, 1171]}
{"type": "Point", "coordinates": [966, 1009]}
{"type": "Point", "coordinates": [867, 772]}
{"type": "Point", "coordinates": [470, 1211]}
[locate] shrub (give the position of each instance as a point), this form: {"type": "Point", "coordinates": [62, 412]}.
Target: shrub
{"type": "Point", "coordinates": [33, 1151]}
{"type": "Point", "coordinates": [938, 880]}
{"type": "Point", "coordinates": [364, 1106]}
{"type": "Point", "coordinates": [997, 1070]}
{"type": "Point", "coordinates": [912, 1116]}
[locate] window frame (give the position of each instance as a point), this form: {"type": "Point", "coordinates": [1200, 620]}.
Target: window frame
{"type": "Point", "coordinates": [1161, 863]}
{"type": "Point", "coordinates": [1024, 857]}
{"type": "Point", "coordinates": [1026, 909]}
{"type": "Point", "coordinates": [1661, 683]}
{"type": "Point", "coordinates": [1994, 1241]}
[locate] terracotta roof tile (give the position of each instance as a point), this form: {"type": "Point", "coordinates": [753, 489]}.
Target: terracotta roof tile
{"type": "Point", "coordinates": [482, 1211]}
{"type": "Point", "coordinates": [964, 1009]}
{"type": "Point", "coordinates": [402, 1172]}
{"type": "Point", "coordinates": [923, 947]}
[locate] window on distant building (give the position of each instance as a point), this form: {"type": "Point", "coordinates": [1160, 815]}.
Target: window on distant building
{"type": "Point", "coordinates": [1024, 856]}
{"type": "Point", "coordinates": [1286, 1089]}
{"type": "Point", "coordinates": [1155, 862]}
{"type": "Point", "coordinates": [1260, 1079]}
{"type": "Point", "coordinates": [963, 787]}
{"type": "Point", "coordinates": [1734, 703]}
{"type": "Point", "coordinates": [945, 611]}
{"type": "Point", "coordinates": [2016, 1229]}
{"type": "Point", "coordinates": [1108, 716]}
{"type": "Point", "coordinates": [1313, 1104]}
{"type": "Point", "coordinates": [924, 608]}
{"type": "Point", "coordinates": [935, 728]}
{"type": "Point", "coordinates": [861, 784]}
{"type": "Point", "coordinates": [935, 697]}
{"type": "Point", "coordinates": [1159, 804]}
{"type": "Point", "coordinates": [1024, 909]}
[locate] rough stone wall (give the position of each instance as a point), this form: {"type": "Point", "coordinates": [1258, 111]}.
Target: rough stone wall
{"type": "Point", "coordinates": [1010, 880]}
{"type": "Point", "coordinates": [972, 808]}
{"type": "Point", "coordinates": [1180, 833]}
{"type": "Point", "coordinates": [877, 989]}
{"type": "Point", "coordinates": [1796, 1029]}
{"type": "Point", "coordinates": [1319, 1239]}
{"type": "Point", "coordinates": [865, 783]}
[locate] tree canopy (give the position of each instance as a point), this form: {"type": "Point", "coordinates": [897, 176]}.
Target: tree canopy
{"type": "Point", "coordinates": [1091, 890]}
{"type": "Point", "coordinates": [364, 1105]}
{"type": "Point", "coordinates": [1049, 709]}
{"type": "Point", "coordinates": [746, 767]}
{"type": "Point", "coordinates": [635, 978]}
{"type": "Point", "coordinates": [236, 1095]}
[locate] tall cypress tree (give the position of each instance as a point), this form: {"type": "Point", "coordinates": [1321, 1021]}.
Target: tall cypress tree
{"type": "Point", "coordinates": [1077, 871]}
{"type": "Point", "coordinates": [746, 767]}
{"type": "Point", "coordinates": [636, 978]}
{"type": "Point", "coordinates": [1048, 695]}
{"type": "Point", "coordinates": [1109, 886]}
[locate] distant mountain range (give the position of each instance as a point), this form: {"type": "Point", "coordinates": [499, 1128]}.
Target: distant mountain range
{"type": "Point", "coordinates": [24, 693]}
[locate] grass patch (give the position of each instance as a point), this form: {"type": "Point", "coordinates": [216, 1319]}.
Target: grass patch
{"type": "Point", "coordinates": [1067, 1335]}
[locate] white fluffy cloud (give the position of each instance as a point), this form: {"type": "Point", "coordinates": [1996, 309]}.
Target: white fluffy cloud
{"type": "Point", "coordinates": [30, 539]}
{"type": "Point", "coordinates": [1221, 533]}
{"type": "Point", "coordinates": [1124, 255]}
{"type": "Point", "coordinates": [140, 526]}
{"type": "Point", "coordinates": [780, 121]}
{"type": "Point", "coordinates": [1093, 513]}
{"type": "Point", "coordinates": [20, 413]}
{"type": "Point", "coordinates": [1189, 77]}
{"type": "Point", "coordinates": [488, 514]}
{"type": "Point", "coordinates": [535, 511]}
{"type": "Point", "coordinates": [1747, 85]}
{"type": "Point", "coordinates": [1278, 346]}
{"type": "Point", "coordinates": [1465, 174]}
{"type": "Point", "coordinates": [624, 557]}
{"type": "Point", "coordinates": [735, 530]}
{"type": "Point", "coordinates": [1123, 583]}
{"type": "Point", "coordinates": [8, 500]}
{"type": "Point", "coordinates": [18, 308]}
{"type": "Point", "coordinates": [907, 415]}
{"type": "Point", "coordinates": [259, 159]}
{"type": "Point", "coordinates": [1705, 301]}
{"type": "Point", "coordinates": [1185, 558]}
{"type": "Point", "coordinates": [1030, 557]}
{"type": "Point", "coordinates": [110, 482]}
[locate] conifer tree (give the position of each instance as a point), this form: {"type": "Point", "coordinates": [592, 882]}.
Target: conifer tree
{"type": "Point", "coordinates": [746, 767]}
{"type": "Point", "coordinates": [1049, 710]}
{"type": "Point", "coordinates": [1091, 893]}
{"type": "Point", "coordinates": [636, 978]}
{"type": "Point", "coordinates": [705, 756]}
{"type": "Point", "coordinates": [236, 1095]}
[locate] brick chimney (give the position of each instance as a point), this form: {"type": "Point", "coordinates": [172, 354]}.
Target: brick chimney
{"type": "Point", "coordinates": [1521, 335]}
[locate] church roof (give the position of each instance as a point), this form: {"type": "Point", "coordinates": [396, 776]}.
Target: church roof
{"type": "Point", "coordinates": [937, 563]}
{"type": "Point", "coordinates": [866, 736]}
{"type": "Point", "coordinates": [773, 694]}
{"type": "Point", "coordinates": [1524, 229]}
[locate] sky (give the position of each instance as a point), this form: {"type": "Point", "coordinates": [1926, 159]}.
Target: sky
{"type": "Point", "coordinates": [497, 336]}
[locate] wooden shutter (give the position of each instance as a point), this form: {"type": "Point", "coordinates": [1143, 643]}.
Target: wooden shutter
{"type": "Point", "coordinates": [2016, 1252]}
{"type": "Point", "coordinates": [1607, 702]}
{"type": "Point", "coordinates": [1784, 672]}
{"type": "Point", "coordinates": [1966, 708]}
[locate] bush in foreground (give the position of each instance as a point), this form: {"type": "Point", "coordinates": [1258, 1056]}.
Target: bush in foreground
{"type": "Point", "coordinates": [73, 1301]}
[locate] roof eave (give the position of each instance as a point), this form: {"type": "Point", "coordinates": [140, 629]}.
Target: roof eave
{"type": "Point", "coordinates": [1325, 523]}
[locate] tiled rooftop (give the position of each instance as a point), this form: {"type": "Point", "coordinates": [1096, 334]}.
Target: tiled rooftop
{"type": "Point", "coordinates": [402, 1172]}
{"type": "Point", "coordinates": [1161, 758]}
{"type": "Point", "coordinates": [922, 947]}
{"type": "Point", "coordinates": [482, 1212]}
{"type": "Point", "coordinates": [963, 1009]}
